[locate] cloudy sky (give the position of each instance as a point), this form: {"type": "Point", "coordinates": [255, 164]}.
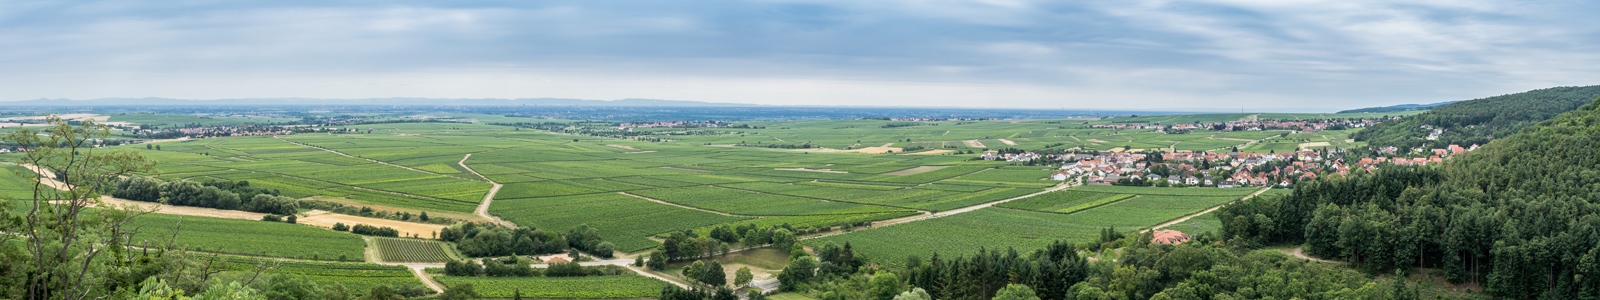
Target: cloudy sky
{"type": "Point", "coordinates": [1265, 55]}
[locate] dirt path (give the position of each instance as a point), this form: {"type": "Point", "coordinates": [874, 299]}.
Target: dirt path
{"type": "Point", "coordinates": [427, 280]}
{"type": "Point", "coordinates": [946, 213]}
{"type": "Point", "coordinates": [683, 206]}
{"type": "Point", "coordinates": [483, 208]}
{"type": "Point", "coordinates": [1208, 210]}
{"type": "Point", "coordinates": [946, 132]}
{"type": "Point", "coordinates": [356, 157]}
{"type": "Point", "coordinates": [1300, 253]}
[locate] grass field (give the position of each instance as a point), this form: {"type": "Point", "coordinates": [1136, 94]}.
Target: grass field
{"type": "Point", "coordinates": [590, 287]}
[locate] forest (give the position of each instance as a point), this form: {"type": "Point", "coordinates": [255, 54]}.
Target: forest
{"type": "Point", "coordinates": [1517, 216]}
{"type": "Point", "coordinates": [1477, 121]}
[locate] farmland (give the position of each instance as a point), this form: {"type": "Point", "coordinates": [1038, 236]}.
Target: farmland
{"type": "Point", "coordinates": [247, 237]}
{"type": "Point", "coordinates": [1074, 215]}
{"type": "Point", "coordinates": [589, 287]}
{"type": "Point", "coordinates": [354, 276]}
{"type": "Point", "coordinates": [412, 250]}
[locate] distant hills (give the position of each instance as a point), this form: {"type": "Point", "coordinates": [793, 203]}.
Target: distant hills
{"type": "Point", "coordinates": [367, 101]}
{"type": "Point", "coordinates": [1398, 108]}
{"type": "Point", "coordinates": [1480, 120]}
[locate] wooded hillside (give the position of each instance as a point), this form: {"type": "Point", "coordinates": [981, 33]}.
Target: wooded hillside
{"type": "Point", "coordinates": [1480, 120]}
{"type": "Point", "coordinates": [1519, 216]}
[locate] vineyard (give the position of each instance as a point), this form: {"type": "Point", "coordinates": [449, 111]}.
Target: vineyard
{"type": "Point", "coordinates": [354, 276]}
{"type": "Point", "coordinates": [589, 287]}
{"type": "Point", "coordinates": [1068, 201]}
{"type": "Point", "coordinates": [412, 250]}
{"type": "Point", "coordinates": [233, 236]}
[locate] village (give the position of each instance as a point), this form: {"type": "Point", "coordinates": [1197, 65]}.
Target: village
{"type": "Point", "coordinates": [1217, 169]}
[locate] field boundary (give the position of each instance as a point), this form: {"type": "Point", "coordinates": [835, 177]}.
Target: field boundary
{"type": "Point", "coordinates": [483, 207]}
{"type": "Point", "coordinates": [688, 207]}
{"type": "Point", "coordinates": [1206, 211]}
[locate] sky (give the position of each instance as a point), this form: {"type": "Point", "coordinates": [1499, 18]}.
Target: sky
{"type": "Point", "coordinates": [1209, 55]}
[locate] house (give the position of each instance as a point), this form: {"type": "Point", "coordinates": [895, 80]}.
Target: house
{"type": "Point", "coordinates": [1058, 176]}
{"type": "Point", "coordinates": [1169, 237]}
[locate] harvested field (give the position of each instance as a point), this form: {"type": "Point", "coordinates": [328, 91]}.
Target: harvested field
{"type": "Point", "coordinates": [916, 170]}
{"type": "Point", "coordinates": [1008, 142]}
{"type": "Point", "coordinates": [623, 147]}
{"type": "Point", "coordinates": [931, 152]}
{"type": "Point", "coordinates": [974, 143]}
{"type": "Point", "coordinates": [326, 219]}
{"type": "Point", "coordinates": [1314, 144]}
{"type": "Point", "coordinates": [811, 170]}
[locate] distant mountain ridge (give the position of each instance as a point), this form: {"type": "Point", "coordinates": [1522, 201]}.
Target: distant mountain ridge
{"type": "Point", "coordinates": [365, 101]}
{"type": "Point", "coordinates": [1397, 108]}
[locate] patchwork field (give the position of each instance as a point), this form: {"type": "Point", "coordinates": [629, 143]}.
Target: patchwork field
{"type": "Point", "coordinates": [1074, 215]}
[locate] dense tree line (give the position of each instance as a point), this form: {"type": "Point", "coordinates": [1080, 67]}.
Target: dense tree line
{"type": "Point", "coordinates": [211, 194]}
{"type": "Point", "coordinates": [1197, 270]}
{"type": "Point", "coordinates": [688, 245]}
{"type": "Point", "coordinates": [478, 240]}
{"type": "Point", "coordinates": [1478, 121]}
{"type": "Point", "coordinates": [1518, 216]}
{"type": "Point", "coordinates": [516, 267]}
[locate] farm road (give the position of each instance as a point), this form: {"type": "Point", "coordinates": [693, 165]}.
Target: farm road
{"type": "Point", "coordinates": [356, 157]}
{"type": "Point", "coordinates": [1208, 210]}
{"type": "Point", "coordinates": [483, 208]}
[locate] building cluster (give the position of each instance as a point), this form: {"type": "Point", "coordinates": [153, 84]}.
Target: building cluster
{"type": "Point", "coordinates": [1011, 157]}
{"type": "Point", "coordinates": [1254, 125]}
{"type": "Point", "coordinates": [681, 124]}
{"type": "Point", "coordinates": [1225, 170]}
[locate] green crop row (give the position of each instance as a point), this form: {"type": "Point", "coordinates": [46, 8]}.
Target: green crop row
{"type": "Point", "coordinates": [411, 250]}
{"type": "Point", "coordinates": [623, 220]}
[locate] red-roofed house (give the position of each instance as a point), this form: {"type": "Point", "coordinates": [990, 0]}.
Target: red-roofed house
{"type": "Point", "coordinates": [1169, 237]}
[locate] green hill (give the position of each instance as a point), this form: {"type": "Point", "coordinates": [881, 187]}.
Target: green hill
{"type": "Point", "coordinates": [1518, 216]}
{"type": "Point", "coordinates": [1480, 120]}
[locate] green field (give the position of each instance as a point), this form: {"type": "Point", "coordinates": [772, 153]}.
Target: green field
{"type": "Point", "coordinates": [1065, 201]}
{"type": "Point", "coordinates": [358, 277]}
{"type": "Point", "coordinates": [623, 220]}
{"type": "Point", "coordinates": [412, 250]}
{"type": "Point", "coordinates": [589, 287]}
{"type": "Point", "coordinates": [1075, 215]}
{"type": "Point", "coordinates": [247, 237]}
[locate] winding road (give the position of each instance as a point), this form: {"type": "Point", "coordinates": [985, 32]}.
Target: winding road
{"type": "Point", "coordinates": [483, 208]}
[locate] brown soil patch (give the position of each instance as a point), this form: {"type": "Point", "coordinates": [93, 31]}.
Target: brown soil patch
{"type": "Point", "coordinates": [931, 152]}
{"type": "Point", "coordinates": [876, 150]}
{"type": "Point", "coordinates": [1097, 141]}
{"type": "Point", "coordinates": [184, 210]}
{"type": "Point", "coordinates": [1314, 144]}
{"type": "Point", "coordinates": [1008, 142]}
{"type": "Point", "coordinates": [683, 169]}
{"type": "Point", "coordinates": [325, 219]}
{"type": "Point", "coordinates": [350, 202]}
{"type": "Point", "coordinates": [916, 170]}
{"type": "Point", "coordinates": [973, 143]}
{"type": "Point", "coordinates": [811, 170]}
{"type": "Point", "coordinates": [623, 147]}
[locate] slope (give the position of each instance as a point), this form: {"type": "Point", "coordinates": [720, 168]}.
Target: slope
{"type": "Point", "coordinates": [1478, 121]}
